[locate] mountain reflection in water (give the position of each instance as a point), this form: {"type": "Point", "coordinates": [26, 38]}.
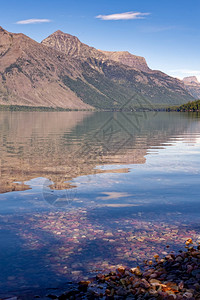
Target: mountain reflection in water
{"type": "Point", "coordinates": [60, 146]}
{"type": "Point", "coordinates": [103, 189]}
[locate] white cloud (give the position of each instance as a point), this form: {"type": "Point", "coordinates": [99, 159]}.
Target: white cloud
{"type": "Point", "coordinates": [123, 16]}
{"type": "Point", "coordinates": [33, 21]}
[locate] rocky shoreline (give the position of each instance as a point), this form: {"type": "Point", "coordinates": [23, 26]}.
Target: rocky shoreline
{"type": "Point", "coordinates": [176, 276]}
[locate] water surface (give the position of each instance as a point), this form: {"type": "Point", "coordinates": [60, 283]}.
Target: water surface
{"type": "Point", "coordinates": [82, 192]}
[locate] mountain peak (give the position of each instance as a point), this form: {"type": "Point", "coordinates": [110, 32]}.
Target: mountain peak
{"type": "Point", "coordinates": [192, 85]}
{"type": "Point", "coordinates": [2, 30]}
{"type": "Point", "coordinates": [70, 45]}
{"type": "Point", "coordinates": [191, 79]}
{"type": "Point", "coordinates": [126, 58]}
{"type": "Point", "coordinates": [60, 34]}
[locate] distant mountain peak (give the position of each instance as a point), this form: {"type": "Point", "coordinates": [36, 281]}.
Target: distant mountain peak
{"type": "Point", "coordinates": [192, 85]}
{"type": "Point", "coordinates": [191, 79]}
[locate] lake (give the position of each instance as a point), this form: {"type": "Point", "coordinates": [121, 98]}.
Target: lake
{"type": "Point", "coordinates": [84, 192]}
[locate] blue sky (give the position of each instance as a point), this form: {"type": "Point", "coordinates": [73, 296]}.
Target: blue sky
{"type": "Point", "coordinates": [165, 32]}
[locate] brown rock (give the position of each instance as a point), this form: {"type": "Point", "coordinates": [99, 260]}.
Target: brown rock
{"type": "Point", "coordinates": [188, 295]}
{"type": "Point", "coordinates": [121, 270]}
{"type": "Point", "coordinates": [136, 271]}
{"type": "Point", "coordinates": [145, 284]}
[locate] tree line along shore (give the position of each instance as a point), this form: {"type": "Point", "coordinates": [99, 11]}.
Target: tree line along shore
{"type": "Point", "coordinates": [193, 106]}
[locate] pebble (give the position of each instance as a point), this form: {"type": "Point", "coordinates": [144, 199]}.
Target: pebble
{"type": "Point", "coordinates": [133, 283]}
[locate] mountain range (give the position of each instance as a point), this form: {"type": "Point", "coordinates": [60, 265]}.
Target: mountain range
{"type": "Point", "coordinates": [61, 71]}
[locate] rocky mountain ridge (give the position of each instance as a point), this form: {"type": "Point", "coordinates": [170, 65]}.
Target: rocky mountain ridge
{"type": "Point", "coordinates": [63, 72]}
{"type": "Point", "coordinates": [72, 46]}
{"type": "Point", "coordinates": [126, 58]}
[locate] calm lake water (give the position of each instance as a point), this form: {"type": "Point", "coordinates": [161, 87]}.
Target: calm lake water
{"type": "Point", "coordinates": [83, 192]}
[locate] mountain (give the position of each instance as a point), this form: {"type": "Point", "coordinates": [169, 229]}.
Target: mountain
{"type": "Point", "coordinates": [69, 159]}
{"type": "Point", "coordinates": [128, 59]}
{"type": "Point", "coordinates": [72, 46]}
{"type": "Point", "coordinates": [118, 76]}
{"type": "Point", "coordinates": [193, 86]}
{"type": "Point", "coordinates": [190, 79]}
{"type": "Point", "coordinates": [63, 72]}
{"type": "Point", "coordinates": [30, 74]}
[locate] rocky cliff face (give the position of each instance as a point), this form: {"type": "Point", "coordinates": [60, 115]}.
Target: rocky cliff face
{"type": "Point", "coordinates": [63, 72]}
{"type": "Point", "coordinates": [71, 46]}
{"type": "Point", "coordinates": [128, 59]}
{"type": "Point", "coordinates": [193, 86]}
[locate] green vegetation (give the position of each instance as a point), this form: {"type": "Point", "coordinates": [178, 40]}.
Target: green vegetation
{"type": "Point", "coordinates": [190, 106]}
{"type": "Point", "coordinates": [34, 108]}
{"type": "Point", "coordinates": [112, 87]}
